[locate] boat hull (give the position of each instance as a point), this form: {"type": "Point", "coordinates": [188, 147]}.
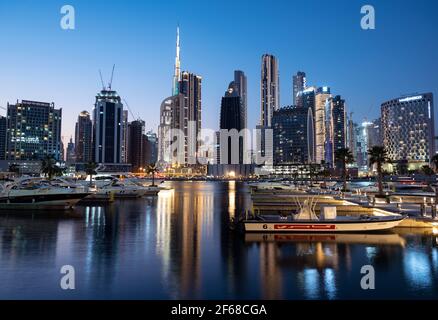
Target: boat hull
{"type": "Point", "coordinates": [321, 226]}
{"type": "Point", "coordinates": [42, 202]}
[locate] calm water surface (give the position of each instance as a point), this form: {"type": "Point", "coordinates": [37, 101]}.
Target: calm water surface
{"type": "Point", "coordinates": [179, 246]}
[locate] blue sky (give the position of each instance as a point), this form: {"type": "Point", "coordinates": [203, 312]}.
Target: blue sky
{"type": "Point", "coordinates": [40, 61]}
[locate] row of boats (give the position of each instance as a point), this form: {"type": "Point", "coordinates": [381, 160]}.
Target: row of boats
{"type": "Point", "coordinates": [313, 209]}
{"type": "Point", "coordinates": [31, 193]}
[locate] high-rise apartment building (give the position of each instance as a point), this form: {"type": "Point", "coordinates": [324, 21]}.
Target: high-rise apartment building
{"type": "Point", "coordinates": [322, 97]}
{"type": "Point", "coordinates": [293, 135]}
{"type": "Point", "coordinates": [3, 129]}
{"type": "Point", "coordinates": [33, 131]}
{"type": "Point", "coordinates": [269, 89]}
{"type": "Point", "coordinates": [136, 145]}
{"type": "Point", "coordinates": [408, 129]}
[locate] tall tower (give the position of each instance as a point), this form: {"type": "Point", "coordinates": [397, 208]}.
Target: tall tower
{"type": "Point", "coordinates": [299, 84]}
{"type": "Point", "coordinates": [177, 73]}
{"type": "Point", "coordinates": [83, 138]}
{"type": "Point", "coordinates": [240, 83]}
{"type": "Point", "coordinates": [108, 127]}
{"type": "Point", "coordinates": [269, 89]}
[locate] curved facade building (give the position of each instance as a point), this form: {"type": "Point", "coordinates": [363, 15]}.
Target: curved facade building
{"type": "Point", "coordinates": [408, 128]}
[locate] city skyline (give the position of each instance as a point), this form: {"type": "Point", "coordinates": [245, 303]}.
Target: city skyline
{"type": "Point", "coordinates": [369, 77]}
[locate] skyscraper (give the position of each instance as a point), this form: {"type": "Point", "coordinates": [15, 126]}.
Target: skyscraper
{"type": "Point", "coordinates": [83, 138]}
{"type": "Point", "coordinates": [269, 89]}
{"type": "Point", "coordinates": [375, 133]}
{"type": "Point", "coordinates": [151, 152]}
{"type": "Point", "coordinates": [172, 116]}
{"type": "Point", "coordinates": [3, 129]}
{"type": "Point", "coordinates": [339, 119]}
{"type": "Point", "coordinates": [241, 87]}
{"type": "Point", "coordinates": [190, 87]}
{"type": "Point", "coordinates": [231, 117]}
{"type": "Point", "coordinates": [299, 84]}
{"type": "Point", "coordinates": [33, 131]}
{"type": "Point", "coordinates": [360, 151]}
{"type": "Point", "coordinates": [107, 127]}
{"type": "Point", "coordinates": [181, 111]}
{"type": "Point", "coordinates": [336, 128]}
{"type": "Point", "coordinates": [136, 144]}
{"type": "Point", "coordinates": [321, 99]}
{"type": "Point", "coordinates": [125, 144]}
{"type": "Point", "coordinates": [408, 129]}
{"type": "Point", "coordinates": [293, 135]}
{"type": "Point", "coordinates": [351, 134]}
{"type": "Point", "coordinates": [71, 158]}
{"type": "Point", "coordinates": [177, 72]}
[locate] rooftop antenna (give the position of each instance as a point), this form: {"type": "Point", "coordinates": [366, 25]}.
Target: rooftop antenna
{"type": "Point", "coordinates": [101, 80]}
{"type": "Point", "coordinates": [112, 74]}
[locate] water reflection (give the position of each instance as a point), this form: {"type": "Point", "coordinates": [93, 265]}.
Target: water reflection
{"type": "Point", "coordinates": [180, 245]}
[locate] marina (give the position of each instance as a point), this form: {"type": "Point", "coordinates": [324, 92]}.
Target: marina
{"type": "Point", "coordinates": [180, 244]}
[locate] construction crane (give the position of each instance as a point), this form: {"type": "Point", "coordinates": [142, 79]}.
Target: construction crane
{"type": "Point", "coordinates": [101, 80]}
{"type": "Point", "coordinates": [112, 74]}
{"type": "Point", "coordinates": [130, 111]}
{"type": "Point", "coordinates": [111, 79]}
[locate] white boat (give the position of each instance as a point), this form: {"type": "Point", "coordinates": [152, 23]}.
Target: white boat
{"type": "Point", "coordinates": [40, 194]}
{"type": "Point", "coordinates": [307, 221]}
{"type": "Point", "coordinates": [126, 189]}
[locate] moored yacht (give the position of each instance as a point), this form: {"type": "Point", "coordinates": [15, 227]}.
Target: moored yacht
{"type": "Point", "coordinates": [40, 194]}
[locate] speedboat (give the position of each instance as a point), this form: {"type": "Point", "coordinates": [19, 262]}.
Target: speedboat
{"type": "Point", "coordinates": [307, 221]}
{"type": "Point", "coordinates": [40, 194]}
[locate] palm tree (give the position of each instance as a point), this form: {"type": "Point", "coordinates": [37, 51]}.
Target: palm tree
{"type": "Point", "coordinates": [152, 169]}
{"type": "Point", "coordinates": [14, 168]}
{"type": "Point", "coordinates": [344, 156]}
{"type": "Point", "coordinates": [49, 167]}
{"type": "Point", "coordinates": [378, 156]}
{"type": "Point", "coordinates": [90, 169]}
{"type": "Point", "coordinates": [427, 171]}
{"type": "Point", "coordinates": [434, 162]}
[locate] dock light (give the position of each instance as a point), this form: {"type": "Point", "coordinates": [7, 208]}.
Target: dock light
{"type": "Point", "coordinates": [231, 174]}
{"type": "Point", "coordinates": [435, 231]}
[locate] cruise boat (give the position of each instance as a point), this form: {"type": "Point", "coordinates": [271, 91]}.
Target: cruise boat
{"type": "Point", "coordinates": [307, 221]}
{"type": "Point", "coordinates": [40, 194]}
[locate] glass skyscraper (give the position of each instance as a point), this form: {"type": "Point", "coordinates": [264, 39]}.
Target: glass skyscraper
{"type": "Point", "coordinates": [269, 89]}
{"type": "Point", "coordinates": [83, 138]}
{"type": "Point", "coordinates": [107, 127]}
{"type": "Point", "coordinates": [293, 135]}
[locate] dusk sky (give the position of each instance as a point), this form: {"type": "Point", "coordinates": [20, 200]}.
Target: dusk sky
{"type": "Point", "coordinates": [40, 61]}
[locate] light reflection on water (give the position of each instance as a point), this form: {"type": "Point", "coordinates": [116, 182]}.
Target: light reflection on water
{"type": "Point", "coordinates": [179, 245]}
